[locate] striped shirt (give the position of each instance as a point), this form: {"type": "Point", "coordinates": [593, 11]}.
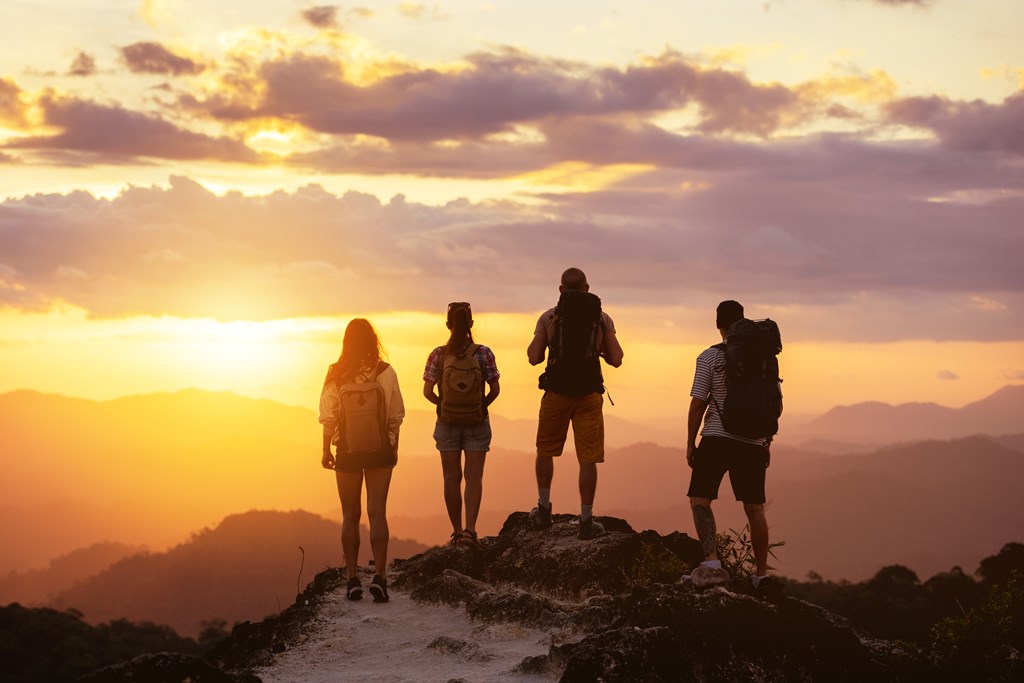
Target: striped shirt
{"type": "Point", "coordinates": [709, 386]}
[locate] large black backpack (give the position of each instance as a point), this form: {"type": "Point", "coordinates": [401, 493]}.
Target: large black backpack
{"type": "Point", "coordinates": [574, 361]}
{"type": "Point", "coordinates": [753, 399]}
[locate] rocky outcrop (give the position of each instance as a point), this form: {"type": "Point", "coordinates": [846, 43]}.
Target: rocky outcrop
{"type": "Point", "coordinates": [165, 667]}
{"type": "Point", "coordinates": [614, 611]}
{"type": "Point", "coordinates": [619, 625]}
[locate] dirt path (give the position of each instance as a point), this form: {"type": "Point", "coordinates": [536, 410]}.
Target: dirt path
{"type": "Point", "coordinates": [364, 641]}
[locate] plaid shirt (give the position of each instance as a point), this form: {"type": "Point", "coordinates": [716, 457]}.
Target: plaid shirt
{"type": "Point", "coordinates": [483, 355]}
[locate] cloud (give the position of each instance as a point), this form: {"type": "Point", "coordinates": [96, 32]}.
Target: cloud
{"type": "Point", "coordinates": [975, 126]}
{"type": "Point", "coordinates": [947, 375]}
{"type": "Point", "coordinates": [494, 92]}
{"type": "Point", "coordinates": [83, 64]}
{"type": "Point", "coordinates": [835, 266]}
{"type": "Point", "coordinates": [1014, 374]}
{"type": "Point", "coordinates": [421, 11]}
{"type": "Point", "coordinates": [114, 134]}
{"type": "Point", "coordinates": [153, 58]}
{"type": "Point", "coordinates": [12, 106]}
{"type": "Point", "coordinates": [322, 16]}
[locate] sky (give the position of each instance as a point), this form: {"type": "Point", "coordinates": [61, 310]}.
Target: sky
{"type": "Point", "coordinates": [200, 194]}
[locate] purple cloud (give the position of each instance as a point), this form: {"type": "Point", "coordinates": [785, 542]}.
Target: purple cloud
{"type": "Point", "coordinates": [116, 134]}
{"type": "Point", "coordinates": [976, 126]}
{"type": "Point", "coordinates": [322, 16]}
{"type": "Point", "coordinates": [153, 58]}
{"type": "Point", "coordinates": [83, 64]}
{"type": "Point", "coordinates": [499, 91]}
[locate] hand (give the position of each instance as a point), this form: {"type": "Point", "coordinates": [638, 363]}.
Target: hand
{"type": "Point", "coordinates": [767, 456]}
{"type": "Point", "coordinates": [691, 451]}
{"type": "Point", "coordinates": [327, 461]}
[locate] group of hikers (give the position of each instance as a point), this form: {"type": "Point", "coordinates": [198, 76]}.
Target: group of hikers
{"type": "Point", "coordinates": [736, 395]}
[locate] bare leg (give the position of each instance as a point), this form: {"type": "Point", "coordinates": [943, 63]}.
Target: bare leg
{"type": "Point", "coordinates": [704, 522]}
{"type": "Point", "coordinates": [588, 482]}
{"type": "Point", "coordinates": [378, 481]}
{"type": "Point", "coordinates": [451, 466]}
{"type": "Point", "coordinates": [350, 490]}
{"type": "Point", "coordinates": [474, 486]}
{"type": "Point", "coordinates": [545, 471]}
{"type": "Point", "coordinates": [758, 535]}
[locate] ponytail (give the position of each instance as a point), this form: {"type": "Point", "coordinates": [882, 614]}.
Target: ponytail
{"type": "Point", "coordinates": [460, 320]}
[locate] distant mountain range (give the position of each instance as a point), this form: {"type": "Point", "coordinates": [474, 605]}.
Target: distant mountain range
{"type": "Point", "coordinates": [243, 569]}
{"type": "Point", "coordinates": [881, 423]}
{"type": "Point", "coordinates": [80, 472]}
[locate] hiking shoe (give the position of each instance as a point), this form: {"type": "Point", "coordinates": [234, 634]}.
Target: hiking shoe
{"type": "Point", "coordinates": [705, 577]}
{"type": "Point", "coordinates": [589, 528]}
{"type": "Point", "coordinates": [379, 589]}
{"type": "Point", "coordinates": [469, 539]}
{"type": "Point", "coordinates": [354, 590]}
{"type": "Point", "coordinates": [541, 516]}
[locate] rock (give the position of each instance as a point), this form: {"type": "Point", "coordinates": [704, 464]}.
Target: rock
{"type": "Point", "coordinates": [450, 588]}
{"type": "Point", "coordinates": [706, 577]}
{"type": "Point", "coordinates": [165, 667]}
{"type": "Point", "coordinates": [457, 646]}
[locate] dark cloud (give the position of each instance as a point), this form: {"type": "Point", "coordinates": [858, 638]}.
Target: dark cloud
{"type": "Point", "coordinates": [153, 58]}
{"type": "Point", "coordinates": [861, 264]}
{"type": "Point", "coordinates": [115, 134]}
{"type": "Point", "coordinates": [947, 375]}
{"type": "Point", "coordinates": [322, 16]}
{"type": "Point", "coordinates": [12, 107]}
{"type": "Point", "coordinates": [975, 126]}
{"type": "Point", "coordinates": [83, 64]}
{"type": "Point", "coordinates": [498, 91]}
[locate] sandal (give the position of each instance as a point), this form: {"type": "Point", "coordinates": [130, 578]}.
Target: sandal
{"type": "Point", "coordinates": [379, 589]}
{"type": "Point", "coordinates": [456, 538]}
{"type": "Point", "coordinates": [469, 538]}
{"type": "Point", "coordinates": [354, 590]}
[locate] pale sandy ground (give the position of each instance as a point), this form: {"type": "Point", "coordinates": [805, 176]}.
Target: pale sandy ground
{"type": "Point", "coordinates": [365, 641]}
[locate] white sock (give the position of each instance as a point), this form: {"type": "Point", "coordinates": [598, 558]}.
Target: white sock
{"type": "Point", "coordinates": [586, 512]}
{"type": "Point", "coordinates": [544, 497]}
{"type": "Point", "coordinates": [712, 564]}
{"type": "Point", "coordinates": [755, 579]}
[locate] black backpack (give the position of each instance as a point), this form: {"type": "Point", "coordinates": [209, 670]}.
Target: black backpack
{"type": "Point", "coordinates": [753, 398]}
{"type": "Point", "coordinates": [574, 362]}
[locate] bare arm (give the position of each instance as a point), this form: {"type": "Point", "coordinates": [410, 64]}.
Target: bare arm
{"type": "Point", "coordinates": [429, 393]}
{"type": "Point", "coordinates": [493, 389]}
{"type": "Point", "coordinates": [693, 420]}
{"type": "Point", "coordinates": [612, 350]}
{"type": "Point", "coordinates": [327, 459]}
{"type": "Point", "coordinates": [538, 346]}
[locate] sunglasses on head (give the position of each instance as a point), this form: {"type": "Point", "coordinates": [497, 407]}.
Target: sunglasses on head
{"type": "Point", "coordinates": [458, 304]}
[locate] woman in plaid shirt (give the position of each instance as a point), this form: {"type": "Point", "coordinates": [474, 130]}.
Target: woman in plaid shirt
{"type": "Point", "coordinates": [454, 439]}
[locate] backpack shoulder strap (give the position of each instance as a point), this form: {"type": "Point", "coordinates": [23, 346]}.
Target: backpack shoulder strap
{"type": "Point", "coordinates": [381, 367]}
{"type": "Point", "coordinates": [471, 349]}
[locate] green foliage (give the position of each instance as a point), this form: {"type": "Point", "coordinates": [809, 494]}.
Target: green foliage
{"type": "Point", "coordinates": [43, 645]}
{"type": "Point", "coordinates": [986, 642]}
{"type": "Point", "coordinates": [737, 554]}
{"type": "Point", "coordinates": [654, 565]}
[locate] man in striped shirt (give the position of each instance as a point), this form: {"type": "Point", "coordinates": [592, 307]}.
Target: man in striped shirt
{"type": "Point", "coordinates": [746, 460]}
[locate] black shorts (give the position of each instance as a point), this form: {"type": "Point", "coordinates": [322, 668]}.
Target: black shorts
{"type": "Point", "coordinates": [746, 464]}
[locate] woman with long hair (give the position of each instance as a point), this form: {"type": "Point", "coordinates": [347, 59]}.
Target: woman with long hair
{"type": "Point", "coordinates": [361, 410]}
{"type": "Point", "coordinates": [459, 370]}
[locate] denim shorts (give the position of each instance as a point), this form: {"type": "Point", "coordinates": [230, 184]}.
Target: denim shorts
{"type": "Point", "coordinates": [450, 437]}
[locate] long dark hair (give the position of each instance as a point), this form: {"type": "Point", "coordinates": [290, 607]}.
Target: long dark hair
{"type": "Point", "coordinates": [360, 351]}
{"type": "Point", "coordinates": [460, 320]}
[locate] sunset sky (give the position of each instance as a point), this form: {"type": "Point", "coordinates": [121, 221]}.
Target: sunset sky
{"type": "Point", "coordinates": [198, 194]}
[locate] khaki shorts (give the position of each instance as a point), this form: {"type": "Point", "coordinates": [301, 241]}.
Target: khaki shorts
{"type": "Point", "coordinates": [584, 413]}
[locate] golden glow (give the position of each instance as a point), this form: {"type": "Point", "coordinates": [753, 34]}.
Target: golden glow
{"type": "Point", "coordinates": [65, 351]}
{"type": "Point", "coordinates": [582, 177]}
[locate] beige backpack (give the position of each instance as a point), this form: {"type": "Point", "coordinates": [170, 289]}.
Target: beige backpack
{"type": "Point", "coordinates": [462, 388]}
